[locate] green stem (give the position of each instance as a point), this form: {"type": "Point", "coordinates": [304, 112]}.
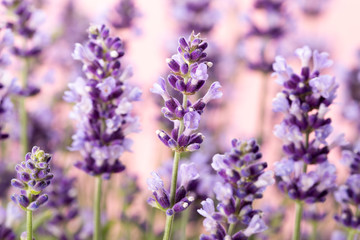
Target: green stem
{"type": "Point", "coordinates": [170, 219]}
{"type": "Point", "coordinates": [297, 228]}
{"type": "Point", "coordinates": [183, 224]}
{"type": "Point", "coordinates": [22, 109]}
{"type": "Point", "coordinates": [351, 234]}
{"type": "Point", "coordinates": [263, 96]}
{"type": "Point", "coordinates": [29, 227]}
{"type": "Point", "coordinates": [299, 205]}
{"type": "Point", "coordinates": [314, 230]}
{"type": "Point", "coordinates": [97, 209]}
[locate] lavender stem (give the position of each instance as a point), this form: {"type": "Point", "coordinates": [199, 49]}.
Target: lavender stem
{"type": "Point", "coordinates": [170, 219]}
{"type": "Point", "coordinates": [29, 229]}
{"type": "Point", "coordinates": [297, 228]}
{"type": "Point", "coordinates": [23, 113]}
{"type": "Point", "coordinates": [314, 230]}
{"type": "Point", "coordinates": [97, 208]}
{"type": "Point", "coordinates": [351, 234]}
{"type": "Point", "coordinates": [299, 205]}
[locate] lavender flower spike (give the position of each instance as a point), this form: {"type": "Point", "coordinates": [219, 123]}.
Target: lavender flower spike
{"type": "Point", "coordinates": [244, 179]}
{"type": "Point", "coordinates": [33, 176]}
{"type": "Point", "coordinates": [103, 104]}
{"type": "Point", "coordinates": [188, 74]}
{"type": "Point", "coordinates": [304, 101]}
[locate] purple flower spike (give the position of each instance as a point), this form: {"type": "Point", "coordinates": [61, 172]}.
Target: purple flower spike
{"type": "Point", "coordinates": [33, 177]}
{"type": "Point", "coordinates": [244, 179]}
{"type": "Point", "coordinates": [305, 128]}
{"type": "Point", "coordinates": [188, 73]}
{"type": "Point", "coordinates": [103, 104]}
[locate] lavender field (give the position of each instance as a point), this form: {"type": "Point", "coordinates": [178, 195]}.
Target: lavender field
{"type": "Point", "coordinates": [179, 119]}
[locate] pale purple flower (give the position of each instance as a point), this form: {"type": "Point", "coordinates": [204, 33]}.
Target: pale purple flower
{"type": "Point", "coordinates": [103, 104]}
{"type": "Point", "coordinates": [325, 85]}
{"type": "Point", "coordinates": [256, 225]}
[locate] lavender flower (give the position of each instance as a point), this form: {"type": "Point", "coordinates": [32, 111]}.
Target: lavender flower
{"type": "Point", "coordinates": [103, 104]}
{"type": "Point", "coordinates": [125, 14]}
{"type": "Point", "coordinates": [348, 194]}
{"type": "Point", "coordinates": [305, 129]}
{"type": "Point", "coordinates": [33, 176]}
{"type": "Point", "coordinates": [312, 8]}
{"type": "Point", "coordinates": [267, 36]}
{"type": "Point", "coordinates": [244, 179]}
{"type": "Point", "coordinates": [62, 202]}
{"type": "Point", "coordinates": [188, 75]}
{"type": "Point", "coordinates": [7, 84]}
{"type": "Point", "coordinates": [6, 233]}
{"type": "Point", "coordinates": [195, 15]}
{"type": "Point", "coordinates": [183, 199]}
{"type": "Point", "coordinates": [25, 23]}
{"type": "Point", "coordinates": [305, 101]}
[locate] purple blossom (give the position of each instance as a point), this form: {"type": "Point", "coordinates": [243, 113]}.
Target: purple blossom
{"type": "Point", "coordinates": [189, 59]}
{"type": "Point", "coordinates": [33, 176]}
{"type": "Point", "coordinates": [244, 179]}
{"type": "Point", "coordinates": [103, 104]}
{"type": "Point", "coordinates": [308, 96]}
{"type": "Point", "coordinates": [124, 15]}
{"type": "Point", "coordinates": [195, 15]}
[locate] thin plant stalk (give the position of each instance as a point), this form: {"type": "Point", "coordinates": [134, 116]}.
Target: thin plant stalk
{"type": "Point", "coordinates": [263, 97]}
{"type": "Point", "coordinates": [299, 204]}
{"type": "Point", "coordinates": [29, 227]}
{"type": "Point", "coordinates": [183, 223]}
{"type": "Point", "coordinates": [22, 109]}
{"type": "Point", "coordinates": [177, 155]}
{"type": "Point", "coordinates": [97, 209]}
{"type": "Point", "coordinates": [314, 230]}
{"type": "Point", "coordinates": [351, 234]}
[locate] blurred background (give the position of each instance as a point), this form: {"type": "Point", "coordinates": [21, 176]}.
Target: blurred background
{"type": "Point", "coordinates": [244, 37]}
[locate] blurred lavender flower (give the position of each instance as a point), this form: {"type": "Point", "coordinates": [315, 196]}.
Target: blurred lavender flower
{"type": "Point", "coordinates": [195, 15]}
{"type": "Point", "coordinates": [41, 132]}
{"type": "Point", "coordinates": [305, 101]}
{"type": "Point", "coordinates": [125, 14]}
{"type": "Point", "coordinates": [351, 106]}
{"type": "Point", "coordinates": [33, 176]}
{"type": "Point", "coordinates": [6, 176]}
{"type": "Point", "coordinates": [7, 84]}
{"type": "Point", "coordinates": [6, 233]}
{"type": "Point", "coordinates": [267, 36]}
{"type": "Point", "coordinates": [312, 8]}
{"type": "Point", "coordinates": [348, 194]}
{"type": "Point", "coordinates": [103, 104]}
{"type": "Point", "coordinates": [24, 22]}
{"type": "Point", "coordinates": [62, 202]}
{"type": "Point", "coordinates": [244, 179]}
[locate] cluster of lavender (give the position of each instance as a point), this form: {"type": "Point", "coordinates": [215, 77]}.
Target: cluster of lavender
{"type": "Point", "coordinates": [348, 194]}
{"type": "Point", "coordinates": [195, 15]}
{"type": "Point", "coordinates": [126, 12]}
{"type": "Point", "coordinates": [62, 202]}
{"type": "Point", "coordinates": [33, 176]}
{"type": "Point", "coordinates": [183, 198]}
{"type": "Point", "coordinates": [103, 104]}
{"type": "Point", "coordinates": [24, 22]}
{"type": "Point", "coordinates": [244, 179]}
{"type": "Point", "coordinates": [304, 102]}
